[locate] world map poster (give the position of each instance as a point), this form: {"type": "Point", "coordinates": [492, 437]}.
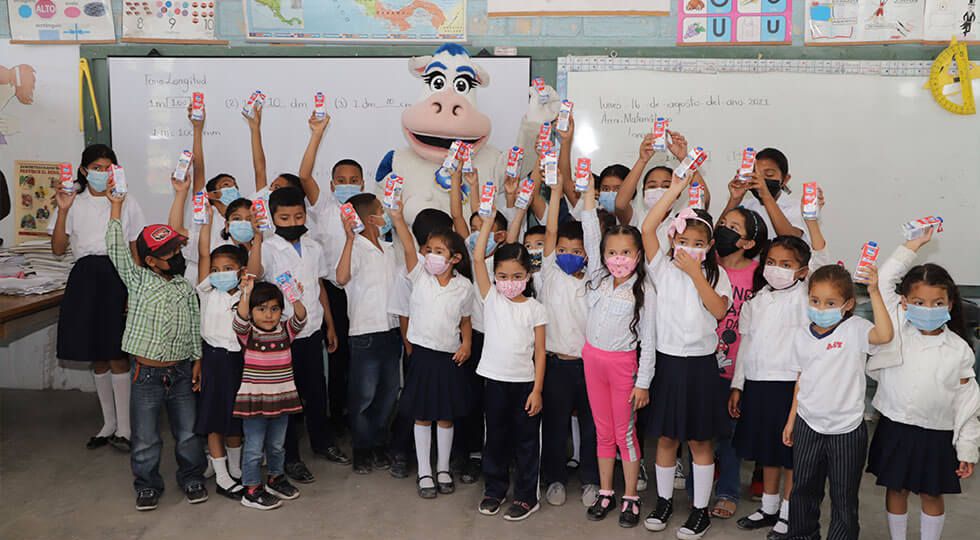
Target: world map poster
{"type": "Point", "coordinates": [418, 21]}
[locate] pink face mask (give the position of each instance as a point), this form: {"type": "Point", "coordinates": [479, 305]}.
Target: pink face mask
{"type": "Point", "coordinates": [698, 254]}
{"type": "Point", "coordinates": [435, 264]}
{"type": "Point", "coordinates": [620, 266]}
{"type": "Point", "coordinates": [511, 288]}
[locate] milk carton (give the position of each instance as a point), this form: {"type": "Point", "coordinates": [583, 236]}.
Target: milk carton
{"type": "Point", "coordinates": [202, 208]}
{"type": "Point", "coordinates": [486, 200]}
{"type": "Point", "coordinates": [564, 114]}
{"type": "Point", "coordinates": [287, 284]}
{"type": "Point", "coordinates": [183, 163]}
{"type": "Point", "coordinates": [254, 103]}
{"type": "Point", "coordinates": [583, 174]}
{"type": "Point", "coordinates": [544, 136]}
{"type": "Point", "coordinates": [695, 158]}
{"type": "Point", "coordinates": [319, 106]}
{"type": "Point", "coordinates": [695, 196]}
{"type": "Point", "coordinates": [747, 166]}
{"type": "Point", "coordinates": [394, 185]}
{"type": "Point", "coordinates": [118, 177]}
{"type": "Point", "coordinates": [260, 211]}
{"type": "Point", "coordinates": [811, 205]}
{"type": "Point", "coordinates": [660, 134]}
{"type": "Point", "coordinates": [197, 106]}
{"type": "Point", "coordinates": [918, 228]}
{"type": "Point", "coordinates": [450, 162]}
{"type": "Point", "coordinates": [66, 177]}
{"type": "Point", "coordinates": [550, 164]}
{"type": "Point", "coordinates": [869, 254]}
{"type": "Point", "coordinates": [350, 215]}
{"type": "Point", "coordinates": [514, 158]}
{"type": "Point", "coordinates": [541, 89]}
{"type": "Point", "coordinates": [524, 195]}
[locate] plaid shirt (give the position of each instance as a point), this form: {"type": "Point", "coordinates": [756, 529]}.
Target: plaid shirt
{"type": "Point", "coordinates": [164, 319]}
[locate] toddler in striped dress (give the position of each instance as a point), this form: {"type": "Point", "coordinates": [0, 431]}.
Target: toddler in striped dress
{"type": "Point", "coordinates": [267, 393]}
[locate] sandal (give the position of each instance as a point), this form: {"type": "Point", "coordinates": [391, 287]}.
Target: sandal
{"type": "Point", "coordinates": [445, 488]}
{"type": "Point", "coordinates": [235, 492]}
{"type": "Point", "coordinates": [426, 492]}
{"type": "Point", "coordinates": [724, 509]}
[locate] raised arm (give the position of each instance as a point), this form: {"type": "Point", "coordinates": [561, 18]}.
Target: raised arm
{"type": "Point", "coordinates": [343, 265]}
{"type": "Point", "coordinates": [624, 197]}
{"type": "Point", "coordinates": [318, 127]}
{"type": "Point", "coordinates": [246, 285]}
{"type": "Point", "coordinates": [656, 215]}
{"type": "Point", "coordinates": [405, 235]}
{"type": "Point", "coordinates": [883, 330]}
{"type": "Point", "coordinates": [480, 257]}
{"type": "Point", "coordinates": [780, 223]}
{"type": "Point", "coordinates": [59, 236]}
{"type": "Point", "coordinates": [176, 216]}
{"type": "Point", "coordinates": [197, 160]}
{"type": "Point", "coordinates": [565, 160]}
{"type": "Point", "coordinates": [204, 248]}
{"type": "Point", "coordinates": [258, 153]}
{"type": "Point", "coordinates": [895, 267]}
{"type": "Point", "coordinates": [117, 248]}
{"type": "Point", "coordinates": [255, 253]}
{"type": "Point", "coordinates": [460, 223]}
{"type": "Point", "coordinates": [817, 240]}
{"type": "Point", "coordinates": [551, 225]}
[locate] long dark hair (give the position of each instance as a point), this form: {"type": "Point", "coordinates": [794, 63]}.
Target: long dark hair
{"type": "Point", "coordinates": [793, 243]}
{"type": "Point", "coordinates": [90, 154]}
{"type": "Point", "coordinates": [457, 246]}
{"type": "Point", "coordinates": [710, 262]}
{"type": "Point", "coordinates": [516, 252]}
{"type": "Point", "coordinates": [937, 276]}
{"type": "Point", "coordinates": [755, 229]}
{"type": "Point", "coordinates": [638, 285]}
{"type": "Point", "coordinates": [229, 210]}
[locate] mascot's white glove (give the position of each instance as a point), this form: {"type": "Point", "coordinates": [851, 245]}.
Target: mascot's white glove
{"type": "Point", "coordinates": [537, 112]}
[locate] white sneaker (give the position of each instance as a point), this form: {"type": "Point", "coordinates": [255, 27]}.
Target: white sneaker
{"type": "Point", "coordinates": [680, 481]}
{"type": "Point", "coordinates": [555, 494]}
{"type": "Point", "coordinates": [590, 494]}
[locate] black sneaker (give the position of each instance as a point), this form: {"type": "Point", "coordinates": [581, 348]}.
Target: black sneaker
{"type": "Point", "coordinates": [629, 515]}
{"type": "Point", "coordinates": [260, 499]}
{"type": "Point", "coordinates": [96, 442]}
{"type": "Point", "coordinates": [379, 459]}
{"type": "Point", "coordinates": [299, 473]}
{"type": "Point", "coordinates": [399, 466]}
{"type": "Point", "coordinates": [280, 487]}
{"type": "Point", "coordinates": [757, 520]}
{"type": "Point", "coordinates": [657, 520]}
{"type": "Point", "coordinates": [519, 511]}
{"type": "Point", "coordinates": [471, 471]}
{"type": "Point", "coordinates": [334, 454]}
{"type": "Point", "coordinates": [489, 506]}
{"type": "Point", "coordinates": [362, 461]}
{"type": "Point", "coordinates": [196, 493]}
{"type": "Point", "coordinates": [120, 443]}
{"type": "Point", "coordinates": [147, 499]}
{"type": "Point", "coordinates": [601, 508]}
{"type": "Point", "coordinates": [696, 525]}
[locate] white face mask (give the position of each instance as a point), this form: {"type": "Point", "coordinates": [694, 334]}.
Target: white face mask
{"type": "Point", "coordinates": [652, 195]}
{"type": "Point", "coordinates": [779, 278]}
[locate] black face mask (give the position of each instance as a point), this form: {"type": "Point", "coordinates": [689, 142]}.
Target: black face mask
{"type": "Point", "coordinates": [725, 240]}
{"type": "Point", "coordinates": [774, 187]}
{"type": "Point", "coordinates": [177, 265]}
{"type": "Point", "coordinates": [291, 233]}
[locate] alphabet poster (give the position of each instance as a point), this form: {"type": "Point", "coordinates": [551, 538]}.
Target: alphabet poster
{"type": "Point", "coordinates": [734, 22]}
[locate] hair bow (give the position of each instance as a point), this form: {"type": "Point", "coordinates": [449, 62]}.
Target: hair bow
{"type": "Point", "coordinates": [679, 223]}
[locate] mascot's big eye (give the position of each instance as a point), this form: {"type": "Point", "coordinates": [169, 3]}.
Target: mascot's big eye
{"type": "Point", "coordinates": [463, 85]}
{"type": "Point", "coordinates": [437, 82]}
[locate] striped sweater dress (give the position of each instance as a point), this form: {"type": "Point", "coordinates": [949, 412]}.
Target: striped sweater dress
{"type": "Point", "coordinates": [267, 387]}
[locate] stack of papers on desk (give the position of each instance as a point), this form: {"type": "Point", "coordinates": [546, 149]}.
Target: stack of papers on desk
{"type": "Point", "coordinates": [43, 271]}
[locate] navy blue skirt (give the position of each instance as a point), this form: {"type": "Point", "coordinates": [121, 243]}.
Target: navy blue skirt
{"type": "Point", "coordinates": [765, 408]}
{"type": "Point", "coordinates": [435, 387]}
{"type": "Point", "coordinates": [909, 457]}
{"type": "Point", "coordinates": [221, 375]}
{"type": "Point", "coordinates": [92, 316]}
{"type": "Point", "coordinates": [686, 401]}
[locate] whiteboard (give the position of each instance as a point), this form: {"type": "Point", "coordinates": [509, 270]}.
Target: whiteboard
{"type": "Point", "coordinates": [365, 99]}
{"type": "Point", "coordinates": [880, 147]}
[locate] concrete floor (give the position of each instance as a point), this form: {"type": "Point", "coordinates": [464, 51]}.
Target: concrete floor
{"type": "Point", "coordinates": [51, 487]}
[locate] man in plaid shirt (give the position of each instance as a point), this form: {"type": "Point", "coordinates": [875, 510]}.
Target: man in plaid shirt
{"type": "Point", "coordinates": [163, 335]}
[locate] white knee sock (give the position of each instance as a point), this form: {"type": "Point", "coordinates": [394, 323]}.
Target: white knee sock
{"type": "Point", "coordinates": [770, 503]}
{"type": "Point", "coordinates": [665, 481]}
{"type": "Point", "coordinates": [704, 475]}
{"type": "Point", "coordinates": [898, 525]}
{"type": "Point", "coordinates": [234, 461]}
{"type": "Point", "coordinates": [423, 452]}
{"type": "Point", "coordinates": [221, 476]}
{"type": "Point", "coordinates": [103, 387]}
{"type": "Point", "coordinates": [444, 447]}
{"type": "Point", "coordinates": [120, 393]}
{"type": "Point", "coordinates": [931, 527]}
{"type": "Point", "coordinates": [779, 527]}
{"type": "Point", "coordinates": [576, 439]}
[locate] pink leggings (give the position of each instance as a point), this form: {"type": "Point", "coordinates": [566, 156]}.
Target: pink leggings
{"type": "Point", "coordinates": [609, 379]}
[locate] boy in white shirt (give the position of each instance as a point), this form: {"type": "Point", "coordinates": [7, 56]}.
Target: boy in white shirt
{"type": "Point", "coordinates": [367, 271]}
{"type": "Point", "coordinates": [782, 215]}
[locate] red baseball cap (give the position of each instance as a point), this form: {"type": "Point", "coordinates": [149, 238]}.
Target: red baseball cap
{"type": "Point", "coordinates": [160, 239]}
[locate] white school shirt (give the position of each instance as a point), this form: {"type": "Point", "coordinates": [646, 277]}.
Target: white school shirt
{"type": "Point", "coordinates": [476, 312]}
{"type": "Point", "coordinates": [372, 277]}
{"type": "Point", "coordinates": [508, 350]}
{"type": "Point", "coordinates": [611, 308]}
{"type": "Point", "coordinates": [919, 376]}
{"type": "Point", "coordinates": [328, 229]}
{"type": "Point", "coordinates": [436, 311]}
{"type": "Point", "coordinates": [88, 219]}
{"type": "Point", "coordinates": [684, 326]}
{"type": "Point", "coordinates": [280, 256]}
{"type": "Point", "coordinates": [190, 250]}
{"type": "Point", "coordinates": [217, 313]}
{"type": "Point", "coordinates": [400, 297]}
{"type": "Point", "coordinates": [789, 204]}
{"type": "Point", "coordinates": [564, 299]}
{"type": "Point", "coordinates": [831, 383]}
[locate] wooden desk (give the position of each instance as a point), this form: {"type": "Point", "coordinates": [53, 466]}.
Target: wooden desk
{"type": "Point", "coordinates": [22, 315]}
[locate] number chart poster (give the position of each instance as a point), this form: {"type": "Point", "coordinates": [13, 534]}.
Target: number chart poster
{"type": "Point", "coordinates": [734, 22]}
{"type": "Point", "coordinates": [169, 21]}
{"type": "Point", "coordinates": [61, 21]}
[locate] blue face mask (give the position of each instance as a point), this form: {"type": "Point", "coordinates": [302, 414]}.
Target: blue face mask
{"type": "Point", "coordinates": [607, 200]}
{"type": "Point", "coordinates": [927, 319]}
{"type": "Point", "coordinates": [471, 243]}
{"type": "Point", "coordinates": [241, 231]}
{"type": "Point", "coordinates": [98, 180]}
{"type": "Point", "coordinates": [570, 263]}
{"type": "Point", "coordinates": [224, 281]}
{"type": "Point", "coordinates": [386, 228]}
{"type": "Point", "coordinates": [824, 318]}
{"type": "Point", "coordinates": [342, 192]}
{"type": "Point", "coordinates": [230, 195]}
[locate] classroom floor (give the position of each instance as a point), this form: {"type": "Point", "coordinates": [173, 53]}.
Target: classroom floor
{"type": "Point", "coordinates": [53, 488]}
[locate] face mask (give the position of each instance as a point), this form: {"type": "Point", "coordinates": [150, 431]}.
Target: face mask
{"type": "Point", "coordinates": [435, 264]}
{"type": "Point", "coordinates": [620, 266]}
{"type": "Point", "coordinates": [779, 278]}
{"type": "Point", "coordinates": [224, 281]}
{"type": "Point", "coordinates": [291, 233]}
{"type": "Point", "coordinates": [241, 231]}
{"type": "Point", "coordinates": [511, 289]}
{"type": "Point", "coordinates": [607, 200]}
{"type": "Point", "coordinates": [342, 192]}
{"type": "Point", "coordinates": [774, 187]}
{"type": "Point", "coordinates": [471, 243]}
{"type": "Point", "coordinates": [386, 226]}
{"type": "Point", "coordinates": [570, 263]}
{"type": "Point", "coordinates": [98, 180]}
{"type": "Point", "coordinates": [927, 319]}
{"type": "Point", "coordinates": [177, 265]}
{"type": "Point", "coordinates": [824, 318]}
{"type": "Point", "coordinates": [536, 256]}
{"type": "Point", "coordinates": [652, 195]}
{"type": "Point", "coordinates": [698, 254]}
{"type": "Point", "coordinates": [229, 195]}
{"type": "Point", "coordinates": [726, 240]}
